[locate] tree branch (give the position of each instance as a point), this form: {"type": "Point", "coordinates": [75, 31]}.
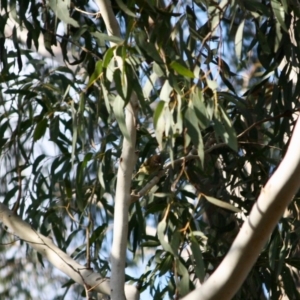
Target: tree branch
{"type": "Point", "coordinates": [273, 199]}
{"type": "Point", "coordinates": [42, 244]}
{"type": "Point", "coordinates": [125, 171]}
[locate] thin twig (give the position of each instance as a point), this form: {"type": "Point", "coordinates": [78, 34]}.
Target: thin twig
{"type": "Point", "coordinates": [97, 14]}
{"type": "Point", "coordinates": [284, 114]}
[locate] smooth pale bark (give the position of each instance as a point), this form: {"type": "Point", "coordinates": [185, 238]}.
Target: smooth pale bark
{"type": "Point", "coordinates": [121, 207]}
{"type": "Point", "coordinates": [125, 170]}
{"type": "Point", "coordinates": [270, 206]}
{"type": "Point", "coordinates": [59, 259]}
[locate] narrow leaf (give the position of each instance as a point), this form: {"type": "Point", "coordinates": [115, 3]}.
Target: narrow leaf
{"type": "Point", "coordinates": [222, 204]}
{"type": "Point", "coordinates": [239, 40]}
{"type": "Point", "coordinates": [278, 10]}
{"type": "Point", "coordinates": [62, 11]}
{"type": "Point", "coordinates": [124, 7]}
{"type": "Point", "coordinates": [197, 255]}
{"type": "Point", "coordinates": [74, 131]}
{"type": "Point", "coordinates": [232, 139]}
{"type": "Point", "coordinates": [180, 69]}
{"type": "Point", "coordinates": [37, 162]}
{"type": "Point", "coordinates": [193, 130]}
{"type": "Point", "coordinates": [161, 236]}
{"type": "Point", "coordinates": [102, 37]}
{"type": "Point", "coordinates": [159, 123]}
{"type": "Point", "coordinates": [40, 129]}
{"type": "Point", "coordinates": [165, 91]}
{"type": "Point", "coordinates": [200, 108]}
{"type": "Point", "coordinates": [108, 56]}
{"type": "Point", "coordinates": [184, 283]}
{"type": "Point", "coordinates": [96, 74]}
{"type": "Point", "coordinates": [118, 108]}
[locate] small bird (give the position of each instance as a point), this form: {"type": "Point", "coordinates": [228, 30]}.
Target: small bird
{"type": "Point", "coordinates": [151, 165]}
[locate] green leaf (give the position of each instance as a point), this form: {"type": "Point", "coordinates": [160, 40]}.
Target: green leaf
{"type": "Point", "coordinates": [282, 255]}
{"type": "Point", "coordinates": [180, 69]}
{"type": "Point", "coordinates": [165, 91]}
{"type": "Point", "coordinates": [120, 83]}
{"type": "Point", "coordinates": [221, 131]}
{"type": "Point", "coordinates": [40, 259]}
{"type": "Point", "coordinates": [106, 97]}
{"type": "Point", "coordinates": [96, 74]}
{"type": "Point", "coordinates": [68, 188]}
{"type": "Point", "coordinates": [149, 49]}
{"type": "Point", "coordinates": [159, 123]}
{"type": "Point", "coordinates": [74, 131]}
{"type": "Point", "coordinates": [118, 108]}
{"type": "Point", "coordinates": [178, 126]}
{"type": "Point", "coordinates": [124, 7]}
{"type": "Point", "coordinates": [128, 80]}
{"type": "Point", "coordinates": [200, 108]}
{"type": "Point", "coordinates": [37, 162]}
{"type": "Point", "coordinates": [3, 128]}
{"type": "Point", "coordinates": [148, 87]}
{"type": "Point", "coordinates": [158, 69]}
{"type": "Point", "coordinates": [278, 10]}
{"type": "Point", "coordinates": [10, 194]}
{"type": "Point", "coordinates": [102, 37]}
{"type": "Point", "coordinates": [197, 256]}
{"type": "Point", "coordinates": [79, 187]}
{"type": "Point", "coordinates": [29, 94]}
{"type": "Point", "coordinates": [289, 283]}
{"type": "Point", "coordinates": [98, 233]}
{"type": "Point", "coordinates": [166, 264]}
{"type": "Point", "coordinates": [175, 241]}
{"type": "Point", "coordinates": [263, 42]}
{"type": "Point", "coordinates": [87, 158]}
{"type": "Point", "coordinates": [232, 139]}
{"type": "Point", "coordinates": [54, 128]}
{"type": "Point", "coordinates": [200, 234]}
{"type": "Point", "coordinates": [150, 244]}
{"type": "Point", "coordinates": [158, 112]}
{"type": "Point", "coordinates": [16, 44]}
{"type": "Point", "coordinates": [274, 250]}
{"type": "Point", "coordinates": [239, 40]}
{"type": "Point", "coordinates": [222, 204]}
{"type": "Point", "coordinates": [40, 129]}
{"type": "Point", "coordinates": [285, 6]}
{"type": "Point", "coordinates": [193, 130]}
{"type": "Point", "coordinates": [161, 236]}
{"type": "Point", "coordinates": [184, 283]}
{"type": "Point", "coordinates": [108, 56]}
{"type": "Point", "coordinates": [62, 11]}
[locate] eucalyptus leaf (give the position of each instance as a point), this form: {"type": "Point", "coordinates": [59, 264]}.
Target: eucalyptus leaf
{"type": "Point", "coordinates": [40, 129]}
{"type": "Point", "coordinates": [239, 40]}
{"type": "Point", "coordinates": [182, 70]}
{"type": "Point", "coordinates": [118, 108]}
{"type": "Point", "coordinates": [62, 10]}
{"type": "Point", "coordinates": [197, 255]}
{"type": "Point", "coordinates": [222, 204]}
{"type": "Point", "coordinates": [162, 225]}
{"type": "Point", "coordinates": [193, 130]}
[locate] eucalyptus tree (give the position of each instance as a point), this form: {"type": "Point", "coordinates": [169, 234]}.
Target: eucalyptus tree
{"type": "Point", "coordinates": [201, 97]}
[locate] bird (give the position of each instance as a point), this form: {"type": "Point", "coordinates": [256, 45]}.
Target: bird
{"type": "Point", "coordinates": [150, 166]}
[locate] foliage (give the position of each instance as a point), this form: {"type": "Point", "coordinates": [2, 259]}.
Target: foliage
{"type": "Point", "coordinates": [211, 91]}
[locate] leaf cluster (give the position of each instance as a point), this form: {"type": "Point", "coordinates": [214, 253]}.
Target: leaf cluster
{"type": "Point", "coordinates": [61, 129]}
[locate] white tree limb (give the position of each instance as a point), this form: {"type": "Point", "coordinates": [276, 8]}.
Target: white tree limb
{"type": "Point", "coordinates": [273, 199]}
{"type": "Point", "coordinates": [126, 167]}
{"type": "Point", "coordinates": [110, 21]}
{"type": "Point", "coordinates": [57, 257]}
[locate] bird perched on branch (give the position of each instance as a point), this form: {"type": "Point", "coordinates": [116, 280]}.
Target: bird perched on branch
{"type": "Point", "coordinates": [151, 165]}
